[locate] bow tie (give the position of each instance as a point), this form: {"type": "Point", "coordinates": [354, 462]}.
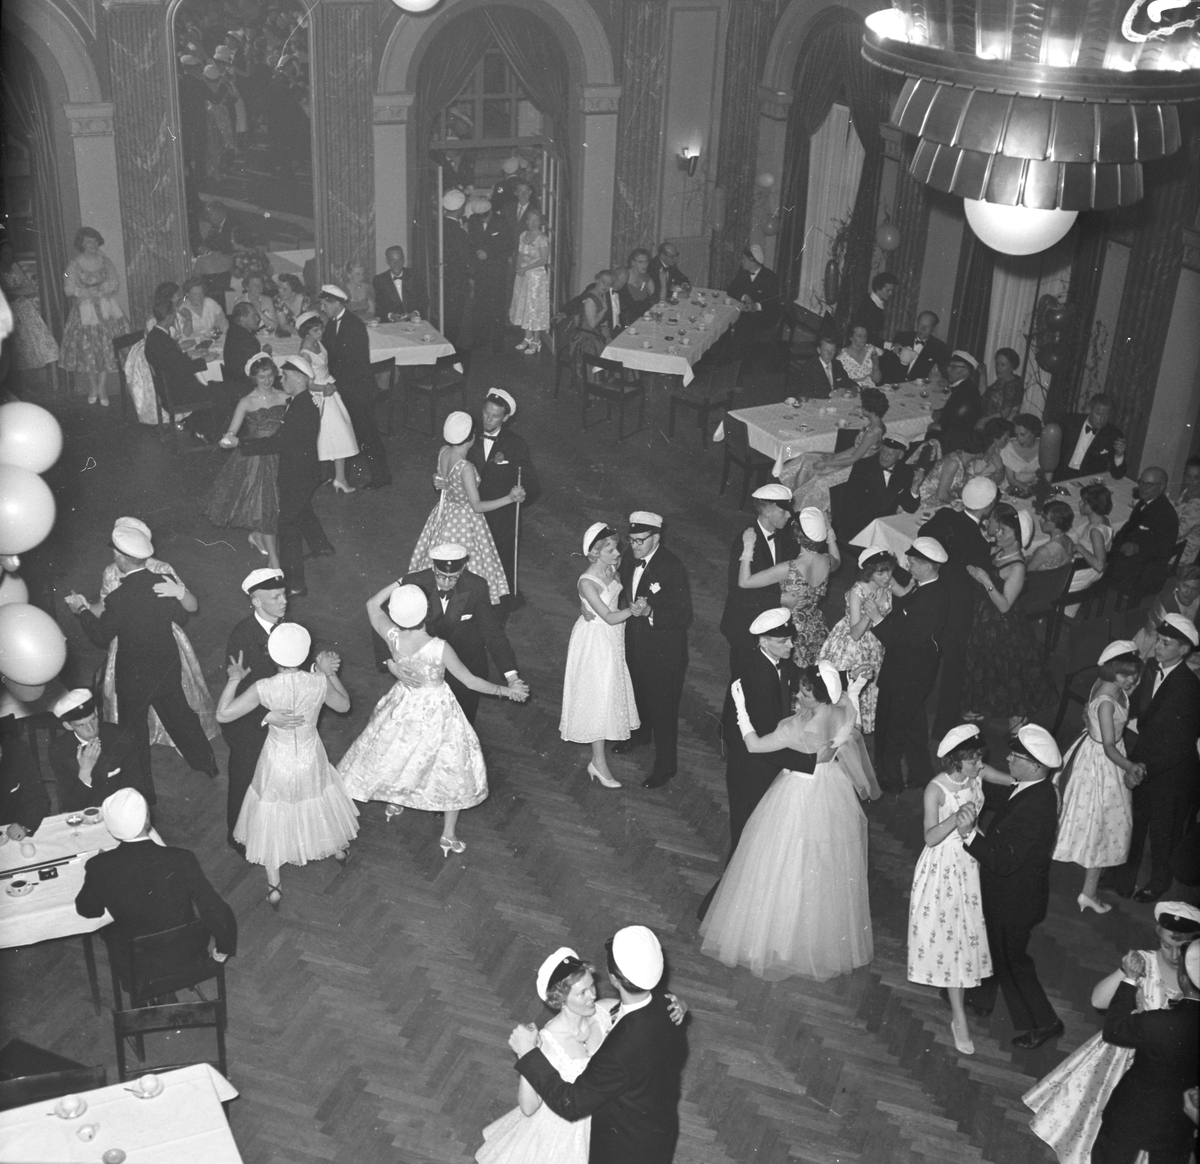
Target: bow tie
{"type": "Point", "coordinates": [1088, 428]}
{"type": "Point", "coordinates": [770, 536]}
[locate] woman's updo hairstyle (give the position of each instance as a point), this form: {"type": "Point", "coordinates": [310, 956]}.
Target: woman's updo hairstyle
{"type": "Point", "coordinates": [85, 232]}
{"type": "Point", "coordinates": [874, 401]}
{"type": "Point", "coordinates": [1099, 499]}
{"type": "Point", "coordinates": [1006, 516]}
{"type": "Point", "coordinates": [810, 680]}
{"type": "Point", "coordinates": [1028, 422]}
{"type": "Point", "coordinates": [996, 429]}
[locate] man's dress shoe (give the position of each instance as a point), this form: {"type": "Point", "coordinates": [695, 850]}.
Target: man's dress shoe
{"type": "Point", "coordinates": [297, 591]}
{"type": "Point", "coordinates": [1145, 895]}
{"type": "Point", "coordinates": [1033, 1039]}
{"type": "Point", "coordinates": [657, 779]}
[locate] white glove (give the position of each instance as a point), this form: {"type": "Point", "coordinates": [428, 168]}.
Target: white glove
{"type": "Point", "coordinates": [739, 702]}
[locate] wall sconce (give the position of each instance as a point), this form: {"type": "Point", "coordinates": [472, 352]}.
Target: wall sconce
{"type": "Point", "coordinates": [687, 160]}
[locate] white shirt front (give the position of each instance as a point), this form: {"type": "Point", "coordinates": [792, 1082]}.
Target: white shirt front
{"type": "Point", "coordinates": [1023, 785]}
{"type": "Point", "coordinates": [1162, 674]}
{"type": "Point", "coordinates": [769, 535]}
{"type": "Point", "coordinates": [267, 626]}
{"type": "Point", "coordinates": [638, 571]}
{"type": "Point", "coordinates": [1087, 434]}
{"type": "Point", "coordinates": [488, 442]}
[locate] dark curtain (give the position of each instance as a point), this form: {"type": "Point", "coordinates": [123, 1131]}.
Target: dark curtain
{"type": "Point", "coordinates": [911, 218]}
{"type": "Point", "coordinates": [27, 116]}
{"type": "Point", "coordinates": [972, 295]}
{"type": "Point", "coordinates": [1087, 269]}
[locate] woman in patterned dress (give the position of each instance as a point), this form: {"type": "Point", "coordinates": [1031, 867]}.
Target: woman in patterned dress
{"type": "Point", "coordinates": [418, 750]}
{"type": "Point", "coordinates": [33, 345]}
{"type": "Point", "coordinates": [947, 940]}
{"type": "Point", "coordinates": [1069, 1102]}
{"type": "Point", "coordinates": [861, 359]}
{"type": "Point", "coordinates": [530, 307]}
{"type": "Point", "coordinates": [1095, 821]}
{"type": "Point", "coordinates": [598, 701]}
{"type": "Point", "coordinates": [458, 516]}
{"type": "Point", "coordinates": [96, 318]}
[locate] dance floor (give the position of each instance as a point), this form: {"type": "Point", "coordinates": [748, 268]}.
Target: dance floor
{"type": "Point", "coordinates": [368, 1018]}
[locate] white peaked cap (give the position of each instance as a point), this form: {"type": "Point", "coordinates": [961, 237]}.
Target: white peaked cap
{"type": "Point", "coordinates": [965, 357]}
{"type": "Point", "coordinates": [756, 252]}
{"type": "Point", "coordinates": [68, 703]}
{"type": "Point", "coordinates": [298, 364]}
{"type": "Point", "coordinates": [771, 620]}
{"type": "Point", "coordinates": [133, 523]}
{"type": "Point", "coordinates": [1191, 962]}
{"type": "Point", "coordinates": [1040, 745]}
{"type": "Point", "coordinates": [956, 736]}
{"type": "Point", "coordinates": [1117, 648]}
{"type": "Point", "coordinates": [304, 317]}
{"type": "Point", "coordinates": [773, 492]}
{"type": "Point", "coordinates": [258, 358]}
{"type": "Point", "coordinates": [1184, 626]}
{"type": "Point", "coordinates": [132, 542]}
{"type": "Point", "coordinates": [872, 552]}
{"type": "Point", "coordinates": [500, 394]}
{"type": "Point", "coordinates": [979, 492]}
{"type": "Point", "coordinates": [638, 956]}
{"type": "Point", "coordinates": [288, 644]}
{"type": "Point", "coordinates": [831, 679]}
{"type": "Point", "coordinates": [457, 427]}
{"type": "Point", "coordinates": [449, 552]}
{"type": "Point", "coordinates": [645, 517]}
{"type": "Point", "coordinates": [929, 548]}
{"type": "Point", "coordinates": [1025, 521]}
{"type": "Point", "coordinates": [813, 524]}
{"type": "Point", "coordinates": [333, 291]}
{"type": "Point", "coordinates": [408, 606]}
{"type": "Point", "coordinates": [550, 965]}
{"type": "Point", "coordinates": [592, 533]}
{"type": "Point", "coordinates": [125, 813]}
{"type": "Point", "coordinates": [454, 200]}
{"type": "Point", "coordinates": [264, 578]}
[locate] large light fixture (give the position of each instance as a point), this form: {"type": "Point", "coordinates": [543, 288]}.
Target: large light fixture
{"type": "Point", "coordinates": [1017, 230]}
{"type": "Point", "coordinates": [1049, 106]}
{"type": "Point", "coordinates": [416, 5]}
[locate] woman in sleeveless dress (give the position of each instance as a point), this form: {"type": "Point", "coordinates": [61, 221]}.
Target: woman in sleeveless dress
{"type": "Point", "coordinates": [195, 689]}
{"type": "Point", "coordinates": [947, 940]}
{"type": "Point", "coordinates": [1095, 821]}
{"type": "Point", "coordinates": [96, 318]}
{"type": "Point", "coordinates": [598, 701]}
{"type": "Point", "coordinates": [1093, 540]}
{"type": "Point", "coordinates": [458, 516]}
{"type": "Point", "coordinates": [296, 809]}
{"type": "Point", "coordinates": [245, 494]}
{"type": "Point", "coordinates": [418, 750]}
{"type": "Point", "coordinates": [530, 307]}
{"type": "Point", "coordinates": [793, 899]}
{"type": "Point", "coordinates": [861, 359]}
{"type": "Point", "coordinates": [1069, 1102]}
{"type": "Point", "coordinates": [335, 440]}
{"type": "Point", "coordinates": [32, 342]}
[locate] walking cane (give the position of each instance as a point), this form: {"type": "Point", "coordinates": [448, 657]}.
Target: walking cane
{"type": "Point", "coordinates": [517, 538]}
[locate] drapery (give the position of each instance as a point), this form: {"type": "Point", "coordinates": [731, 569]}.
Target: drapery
{"type": "Point", "coordinates": [1087, 268]}
{"type": "Point", "coordinates": [835, 167]}
{"type": "Point", "coordinates": [972, 295]}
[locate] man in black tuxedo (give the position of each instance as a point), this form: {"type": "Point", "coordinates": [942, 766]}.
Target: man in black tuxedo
{"type": "Point", "coordinates": [345, 339]}
{"type": "Point", "coordinates": [164, 355]}
{"type": "Point", "coordinates": [824, 373]}
{"type": "Point", "coordinates": [500, 456]}
{"type": "Point", "coordinates": [955, 421]}
{"type": "Point", "coordinates": [910, 634]}
{"type": "Point", "coordinates": [1014, 877]}
{"type": "Point", "coordinates": [299, 472]}
{"type": "Point", "coordinates": [457, 263]}
{"type": "Point", "coordinates": [962, 535]}
{"type": "Point", "coordinates": [631, 1086]}
{"type": "Point", "coordinates": [928, 353]}
{"type": "Point", "coordinates": [267, 591]}
{"type": "Point", "coordinates": [92, 759]}
{"type": "Point", "coordinates": [142, 612]}
{"type": "Point", "coordinates": [1091, 443]}
{"type": "Point", "coordinates": [241, 344]}
{"type": "Point", "coordinates": [1145, 1112]}
{"type": "Point", "coordinates": [512, 212]}
{"type": "Point", "coordinates": [493, 247]}
{"type": "Point", "coordinates": [1166, 718]}
{"type": "Point", "coordinates": [664, 270]}
{"type": "Point", "coordinates": [878, 486]}
{"type": "Point", "coordinates": [656, 647]}
{"type": "Point", "coordinates": [756, 288]}
{"type": "Point", "coordinates": [1144, 545]}
{"type": "Point", "coordinates": [398, 290]}
{"type": "Point", "coordinates": [149, 887]}
{"type": "Point", "coordinates": [23, 800]}
{"type": "Point", "coordinates": [461, 612]}
{"type": "Point", "coordinates": [773, 543]}
{"type": "Point", "coordinates": [872, 308]}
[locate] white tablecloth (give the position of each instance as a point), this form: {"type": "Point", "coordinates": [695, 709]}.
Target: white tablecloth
{"type": "Point", "coordinates": [781, 431]}
{"type": "Point", "coordinates": [49, 910]}
{"type": "Point", "coordinates": [694, 326]}
{"type": "Point", "coordinates": [404, 343]}
{"type": "Point", "coordinates": [898, 532]}
{"type": "Point", "coordinates": [183, 1123]}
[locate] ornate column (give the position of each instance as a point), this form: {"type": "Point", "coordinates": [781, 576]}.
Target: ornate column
{"type": "Point", "coordinates": [343, 91]}
{"type": "Point", "coordinates": [598, 155]}
{"type": "Point", "coordinates": [910, 216]}
{"type": "Point", "coordinates": [640, 127]}
{"type": "Point", "coordinates": [149, 169]}
{"type": "Point", "coordinates": [390, 151]}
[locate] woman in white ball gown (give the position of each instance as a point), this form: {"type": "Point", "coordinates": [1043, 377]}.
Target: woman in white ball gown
{"type": "Point", "coordinates": [598, 701]}
{"type": "Point", "coordinates": [793, 899]}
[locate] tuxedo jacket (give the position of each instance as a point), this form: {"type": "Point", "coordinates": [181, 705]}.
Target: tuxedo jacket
{"type": "Point", "coordinates": [965, 544]}
{"type": "Point", "coordinates": [149, 887]}
{"type": "Point", "coordinates": [1014, 856]}
{"type": "Point", "coordinates": [491, 235]}
{"type": "Point", "coordinates": [933, 354]}
{"type": "Point", "coordinates": [511, 215]}
{"type": "Point", "coordinates": [118, 767]}
{"type": "Point", "coordinates": [459, 256]}
{"type": "Point", "coordinates": [664, 584]}
{"type": "Point", "coordinates": [1145, 1109]}
{"type": "Point", "coordinates": [142, 619]}
{"type": "Point", "coordinates": [630, 1088]}
{"type": "Point", "coordinates": [248, 639]}
{"type": "Point", "coordinates": [345, 339]}
{"type": "Point", "coordinates": [1167, 723]}
{"type": "Point", "coordinates": [743, 606]}
{"type": "Point", "coordinates": [911, 631]}
{"type": "Point", "coordinates": [240, 345]}
{"type": "Point", "coordinates": [23, 798]}
{"type": "Point", "coordinates": [764, 289]}
{"type": "Point", "coordinates": [813, 381]}
{"type": "Point", "coordinates": [769, 693]}
{"type": "Point", "coordinates": [176, 371]}
{"type": "Point", "coordinates": [498, 470]}
{"type": "Point", "coordinates": [469, 623]}
{"type": "Point", "coordinates": [1099, 459]}
{"type": "Point", "coordinates": [959, 415]}
{"type": "Point", "coordinates": [1153, 526]}
{"type": "Point", "coordinates": [295, 441]}
{"type": "Point", "coordinates": [668, 277]}
{"type": "Point", "coordinates": [388, 300]}
{"type": "Point", "coordinates": [867, 495]}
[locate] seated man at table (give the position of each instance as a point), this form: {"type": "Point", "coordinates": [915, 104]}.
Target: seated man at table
{"type": "Point", "coordinates": [149, 887]}
{"type": "Point", "coordinates": [399, 292]}
{"type": "Point", "coordinates": [91, 760]}
{"type": "Point", "coordinates": [878, 486]}
{"type": "Point", "coordinates": [23, 799]}
{"type": "Point", "coordinates": [179, 373]}
{"type": "Point", "coordinates": [241, 342]}
{"type": "Point", "coordinates": [1142, 548]}
{"type": "Point", "coordinates": [914, 355]}
{"type": "Point", "coordinates": [664, 270]}
{"type": "Point", "coordinates": [823, 374]}
{"type": "Point", "coordinates": [756, 288]}
{"type": "Point", "coordinates": [1091, 443]}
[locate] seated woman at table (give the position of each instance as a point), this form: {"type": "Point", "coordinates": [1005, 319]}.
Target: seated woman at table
{"type": "Point", "coordinates": [1093, 540]}
{"type": "Point", "coordinates": [640, 292]}
{"type": "Point", "coordinates": [199, 316]}
{"type": "Point", "coordinates": [362, 294]}
{"type": "Point", "coordinates": [1003, 396]}
{"type": "Point", "coordinates": [1020, 455]}
{"type": "Point", "coordinates": [336, 440]}
{"type": "Point", "coordinates": [591, 333]}
{"type": "Point", "coordinates": [255, 293]}
{"type": "Point", "coordinates": [860, 358]}
{"type": "Point", "coordinates": [810, 475]}
{"type": "Point", "coordinates": [291, 300]}
{"type": "Point", "coordinates": [1055, 521]}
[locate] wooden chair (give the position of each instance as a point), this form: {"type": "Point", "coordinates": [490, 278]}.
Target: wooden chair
{"type": "Point", "coordinates": [1042, 599]}
{"type": "Point", "coordinates": [714, 387]}
{"type": "Point", "coordinates": [756, 467]}
{"type": "Point", "coordinates": [196, 397]}
{"type": "Point", "coordinates": [387, 379]}
{"type": "Point", "coordinates": [435, 382]}
{"type": "Point", "coordinates": [565, 360]}
{"type": "Point", "coordinates": [121, 345]}
{"type": "Point", "coordinates": [1085, 641]}
{"type": "Point", "coordinates": [605, 380]}
{"type": "Point", "coordinates": [176, 1016]}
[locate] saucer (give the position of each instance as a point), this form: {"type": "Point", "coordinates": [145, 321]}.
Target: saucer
{"type": "Point", "coordinates": [19, 890]}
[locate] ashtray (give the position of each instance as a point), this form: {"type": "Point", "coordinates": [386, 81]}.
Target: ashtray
{"type": "Point", "coordinates": [19, 888]}
{"type": "Point", "coordinates": [426, 338]}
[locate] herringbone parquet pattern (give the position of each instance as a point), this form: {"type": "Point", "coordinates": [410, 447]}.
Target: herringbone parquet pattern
{"type": "Point", "coordinates": [369, 1017]}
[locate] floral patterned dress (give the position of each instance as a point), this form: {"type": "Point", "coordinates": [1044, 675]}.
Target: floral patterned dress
{"type": "Point", "coordinates": [530, 307]}
{"type": "Point", "coordinates": [96, 319]}
{"type": "Point", "coordinates": [844, 653]}
{"type": "Point", "coordinates": [417, 750]}
{"type": "Point", "coordinates": [947, 940]}
{"type": "Point", "coordinates": [33, 345]}
{"type": "Point", "coordinates": [811, 628]}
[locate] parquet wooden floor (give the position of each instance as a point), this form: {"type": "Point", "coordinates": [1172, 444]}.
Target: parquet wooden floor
{"type": "Point", "coordinates": [369, 1016]}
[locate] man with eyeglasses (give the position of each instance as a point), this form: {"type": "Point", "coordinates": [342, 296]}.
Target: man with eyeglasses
{"type": "Point", "coordinates": [1142, 547]}
{"type": "Point", "coordinates": [656, 648]}
{"type": "Point", "coordinates": [664, 268]}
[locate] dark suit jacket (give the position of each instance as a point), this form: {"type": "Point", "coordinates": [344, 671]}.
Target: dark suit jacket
{"type": "Point", "coordinates": [498, 473]}
{"type": "Point", "coordinates": [23, 798]}
{"type": "Point", "coordinates": [220, 238]}
{"type": "Point", "coordinates": [867, 496]}
{"type": "Point", "coordinates": [388, 301]}
{"type": "Point", "coordinates": [764, 289]}
{"type": "Point", "coordinates": [148, 888]}
{"type": "Point", "coordinates": [630, 1088]}
{"type": "Point", "coordinates": [118, 767]}
{"type": "Point", "coordinates": [1014, 856]}
{"type": "Point", "coordinates": [872, 317]}
{"type": "Point", "coordinates": [743, 606]}
{"type": "Point", "coordinates": [959, 415]}
{"type": "Point", "coordinates": [965, 545]}
{"type": "Point", "coordinates": [1146, 1109]}
{"type": "Point", "coordinates": [934, 354]}
{"type": "Point", "coordinates": [769, 694]}
{"type": "Point", "coordinates": [1168, 723]}
{"type": "Point", "coordinates": [814, 383]}
{"type": "Point", "coordinates": [1154, 527]}
{"type": "Point", "coordinates": [511, 216]}
{"type": "Point", "coordinates": [249, 640]}
{"type": "Point", "coordinates": [176, 371]}
{"type": "Point", "coordinates": [1099, 459]}
{"type": "Point", "coordinates": [490, 234]}
{"type": "Point", "coordinates": [345, 339]}
{"type": "Point", "coordinates": [296, 443]}
{"type": "Point", "coordinates": [240, 345]}
{"type": "Point", "coordinates": [664, 584]}
{"type": "Point", "coordinates": [459, 257]}
{"type": "Point", "coordinates": [910, 633]}
{"type": "Point", "coordinates": [667, 277]}
{"type": "Point", "coordinates": [142, 619]}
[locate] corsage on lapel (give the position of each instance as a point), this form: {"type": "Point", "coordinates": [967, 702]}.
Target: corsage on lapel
{"type": "Point", "coordinates": [655, 587]}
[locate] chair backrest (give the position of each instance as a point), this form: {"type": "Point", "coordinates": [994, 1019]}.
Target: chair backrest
{"type": "Point", "coordinates": [1085, 641]}
{"type": "Point", "coordinates": [737, 439]}
{"type": "Point", "coordinates": [600, 371]}
{"type": "Point", "coordinates": [170, 960]}
{"type": "Point", "coordinates": [1042, 588]}
{"type": "Point", "coordinates": [35, 1088]}
{"type": "Point", "coordinates": [722, 378]}
{"type": "Point", "coordinates": [176, 1016]}
{"type": "Point", "coordinates": [121, 345]}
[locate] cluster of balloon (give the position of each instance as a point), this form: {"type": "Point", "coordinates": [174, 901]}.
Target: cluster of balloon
{"type": "Point", "coordinates": [764, 181]}
{"type": "Point", "coordinates": [1053, 318]}
{"type": "Point", "coordinates": [772, 225]}
{"type": "Point", "coordinates": [888, 237]}
{"type": "Point", "coordinates": [32, 648]}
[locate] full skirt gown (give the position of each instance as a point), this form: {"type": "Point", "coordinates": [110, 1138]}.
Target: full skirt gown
{"type": "Point", "coordinates": [245, 494]}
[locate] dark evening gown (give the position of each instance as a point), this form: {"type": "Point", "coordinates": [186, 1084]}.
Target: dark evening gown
{"type": "Point", "coordinates": [245, 494]}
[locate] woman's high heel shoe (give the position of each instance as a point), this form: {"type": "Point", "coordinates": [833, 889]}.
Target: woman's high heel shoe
{"type": "Point", "coordinates": [962, 1042]}
{"type": "Point", "coordinates": [274, 896]}
{"type": "Point", "coordinates": [596, 774]}
{"type": "Point", "coordinates": [1086, 902]}
{"type": "Point", "coordinates": [340, 488]}
{"type": "Point", "coordinates": [451, 845]}
{"type": "Point", "coordinates": [391, 811]}
{"type": "Point", "coordinates": [342, 857]}
{"type": "Point", "coordinates": [533, 347]}
{"type": "Point", "coordinates": [522, 345]}
{"type": "Point", "coordinates": [252, 539]}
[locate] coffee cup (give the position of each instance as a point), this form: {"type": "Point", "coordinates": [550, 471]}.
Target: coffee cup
{"type": "Point", "coordinates": [150, 1084]}
{"type": "Point", "coordinates": [91, 815]}
{"type": "Point", "coordinates": [28, 849]}
{"type": "Point", "coordinates": [70, 1107]}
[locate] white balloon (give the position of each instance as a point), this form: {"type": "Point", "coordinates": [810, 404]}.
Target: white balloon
{"type": "Point", "coordinates": [29, 436]}
{"type": "Point", "coordinates": [1017, 230]}
{"type": "Point", "coordinates": [13, 589]}
{"type": "Point", "coordinates": [765, 181]}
